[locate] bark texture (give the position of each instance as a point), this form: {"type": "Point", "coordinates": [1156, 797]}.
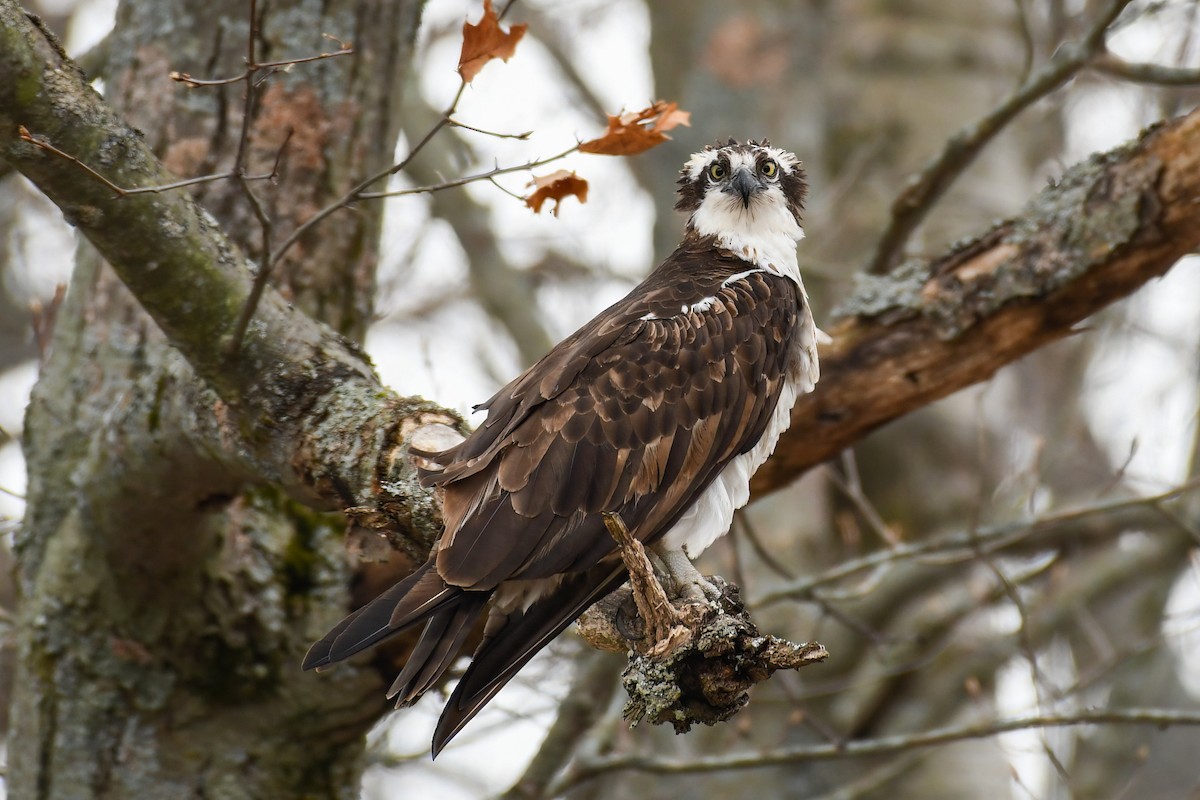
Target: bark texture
{"type": "Point", "coordinates": [175, 563]}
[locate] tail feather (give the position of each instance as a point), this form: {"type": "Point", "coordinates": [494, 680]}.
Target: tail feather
{"type": "Point", "coordinates": [451, 613]}
{"type": "Point", "coordinates": [437, 648]}
{"type": "Point", "coordinates": [508, 646]}
{"type": "Point", "coordinates": [410, 601]}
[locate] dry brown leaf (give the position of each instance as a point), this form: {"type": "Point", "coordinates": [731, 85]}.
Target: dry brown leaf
{"type": "Point", "coordinates": [556, 186]}
{"type": "Point", "coordinates": [637, 131]}
{"type": "Point", "coordinates": [485, 41]}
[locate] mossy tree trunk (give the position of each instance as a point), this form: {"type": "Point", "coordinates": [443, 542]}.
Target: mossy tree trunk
{"type": "Point", "coordinates": [168, 592]}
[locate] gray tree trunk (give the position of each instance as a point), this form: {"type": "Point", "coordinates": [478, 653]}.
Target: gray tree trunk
{"type": "Point", "coordinates": [167, 595]}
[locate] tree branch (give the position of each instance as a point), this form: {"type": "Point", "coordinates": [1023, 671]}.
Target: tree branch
{"type": "Point", "coordinates": [1154, 74]}
{"type": "Point", "coordinates": [913, 204]}
{"type": "Point", "coordinates": [871, 747]}
{"type": "Point", "coordinates": [305, 402]}
{"type": "Point", "coordinates": [1111, 224]}
{"type": "Point", "coordinates": [982, 541]}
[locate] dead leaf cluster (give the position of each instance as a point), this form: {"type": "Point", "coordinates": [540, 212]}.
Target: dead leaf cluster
{"type": "Point", "coordinates": [637, 131]}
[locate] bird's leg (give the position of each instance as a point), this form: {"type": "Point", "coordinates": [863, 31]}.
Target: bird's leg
{"type": "Point", "coordinates": [689, 583]}
{"type": "Point", "coordinates": [666, 627]}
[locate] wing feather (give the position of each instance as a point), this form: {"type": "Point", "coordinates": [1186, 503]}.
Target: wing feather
{"type": "Point", "coordinates": [597, 440]}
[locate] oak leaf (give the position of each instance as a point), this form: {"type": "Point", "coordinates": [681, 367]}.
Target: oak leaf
{"type": "Point", "coordinates": [556, 186]}
{"type": "Point", "coordinates": [486, 40]}
{"type": "Point", "coordinates": [637, 131]}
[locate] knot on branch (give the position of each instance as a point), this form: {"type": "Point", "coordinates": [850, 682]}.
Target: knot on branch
{"type": "Point", "coordinates": [404, 516]}
{"type": "Point", "coordinates": [706, 679]}
{"type": "Point", "coordinates": [689, 661]}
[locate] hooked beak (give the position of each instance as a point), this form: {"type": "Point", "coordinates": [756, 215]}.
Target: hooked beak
{"type": "Point", "coordinates": [743, 183]}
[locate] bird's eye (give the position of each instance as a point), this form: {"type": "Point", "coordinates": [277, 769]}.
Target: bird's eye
{"type": "Point", "coordinates": [769, 168]}
{"type": "Point", "coordinates": [716, 171]}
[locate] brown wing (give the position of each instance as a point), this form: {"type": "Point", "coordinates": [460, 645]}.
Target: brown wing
{"type": "Point", "coordinates": [637, 414]}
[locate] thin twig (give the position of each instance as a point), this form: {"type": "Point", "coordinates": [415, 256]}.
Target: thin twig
{"type": "Point", "coordinates": [850, 485]}
{"type": "Point", "coordinates": [760, 550]}
{"type": "Point", "coordinates": [991, 539]}
{"type": "Point", "coordinates": [264, 273]}
{"type": "Point", "coordinates": [185, 78]}
{"type": "Point", "coordinates": [495, 134]}
{"type": "Point", "coordinates": [261, 276]}
{"type": "Point", "coordinates": [463, 181]}
{"type": "Point", "coordinates": [357, 192]}
{"type": "Point", "coordinates": [26, 136]}
{"type": "Point", "coordinates": [289, 62]}
{"type": "Point", "coordinates": [1014, 597]}
{"type": "Point", "coordinates": [274, 66]}
{"type": "Point", "coordinates": [287, 137]}
{"type": "Point", "coordinates": [239, 160]}
{"type": "Point", "coordinates": [883, 745]}
{"type": "Point", "coordinates": [239, 168]}
{"type": "Point", "coordinates": [914, 203]}
{"type": "Point", "coordinates": [876, 638]}
{"type": "Point", "coordinates": [266, 261]}
{"type": "Point", "coordinates": [126, 191]}
{"type": "Point", "coordinates": [504, 189]}
{"type": "Point", "coordinates": [1026, 31]}
{"type": "Point", "coordinates": [1154, 74]}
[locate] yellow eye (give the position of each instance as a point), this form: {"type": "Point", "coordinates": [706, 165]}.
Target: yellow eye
{"type": "Point", "coordinates": [769, 168]}
{"type": "Point", "coordinates": [716, 171]}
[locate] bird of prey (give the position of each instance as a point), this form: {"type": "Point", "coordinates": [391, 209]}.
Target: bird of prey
{"type": "Point", "coordinates": [658, 410]}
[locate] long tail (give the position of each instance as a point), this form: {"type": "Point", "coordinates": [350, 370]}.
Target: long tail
{"type": "Point", "coordinates": [511, 640]}
{"type": "Point", "coordinates": [450, 613]}
{"type": "Point", "coordinates": [422, 595]}
{"type": "Point", "coordinates": [437, 648]}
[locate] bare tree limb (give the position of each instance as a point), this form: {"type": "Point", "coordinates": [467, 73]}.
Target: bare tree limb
{"type": "Point", "coordinates": [194, 282]}
{"type": "Point", "coordinates": [913, 204]}
{"type": "Point", "coordinates": [983, 541]}
{"type": "Point", "coordinates": [1110, 225]}
{"type": "Point", "coordinates": [582, 772]}
{"type": "Point", "coordinates": [1155, 74]}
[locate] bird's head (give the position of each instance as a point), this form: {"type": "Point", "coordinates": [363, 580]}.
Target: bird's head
{"type": "Point", "coordinates": [742, 188]}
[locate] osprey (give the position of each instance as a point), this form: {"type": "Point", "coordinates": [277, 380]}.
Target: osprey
{"type": "Point", "coordinates": [659, 409]}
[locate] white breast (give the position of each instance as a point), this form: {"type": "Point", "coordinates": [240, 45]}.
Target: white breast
{"type": "Point", "coordinates": [710, 517]}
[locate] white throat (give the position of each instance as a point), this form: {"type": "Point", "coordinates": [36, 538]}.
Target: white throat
{"type": "Point", "coordinates": [765, 234]}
